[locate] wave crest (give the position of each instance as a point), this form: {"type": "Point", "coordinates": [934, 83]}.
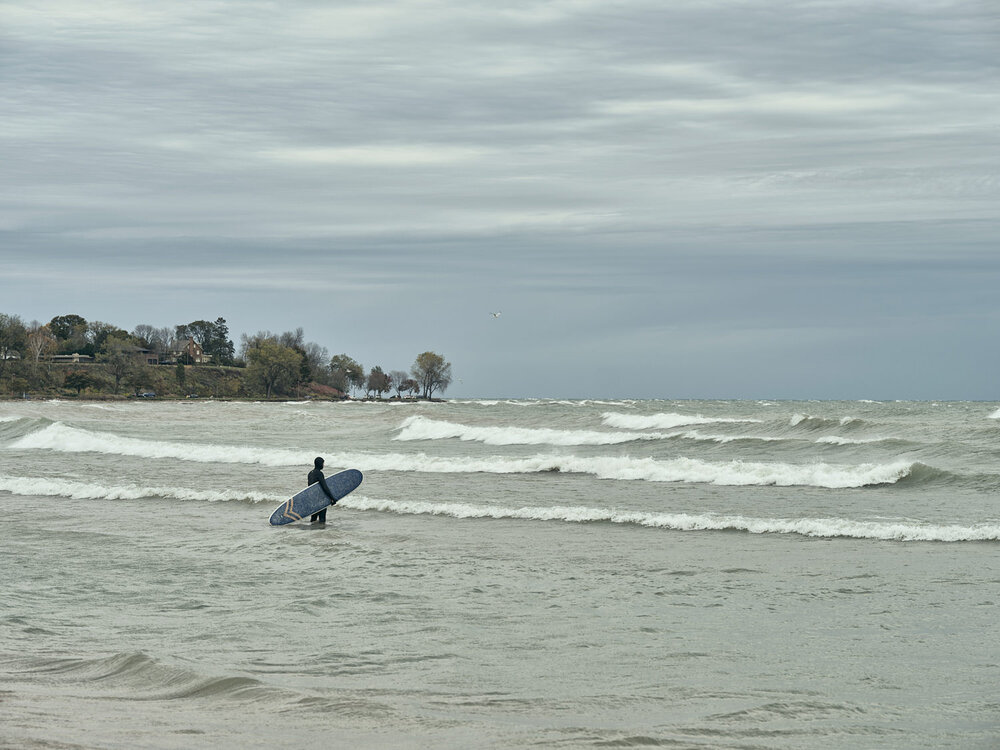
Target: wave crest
{"type": "Point", "coordinates": [59, 437]}
{"type": "Point", "coordinates": [664, 421]}
{"type": "Point", "coordinates": [837, 440]}
{"type": "Point", "coordinates": [813, 527]}
{"type": "Point", "coordinates": [65, 439]}
{"type": "Point", "coordinates": [423, 428]}
{"type": "Point", "coordinates": [39, 487]}
{"type": "Point", "coordinates": [809, 422]}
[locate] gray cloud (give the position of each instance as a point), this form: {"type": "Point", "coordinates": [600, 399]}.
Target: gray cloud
{"type": "Point", "coordinates": [643, 187]}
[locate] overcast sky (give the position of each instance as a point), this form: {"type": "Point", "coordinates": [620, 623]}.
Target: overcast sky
{"type": "Point", "coordinates": [752, 199]}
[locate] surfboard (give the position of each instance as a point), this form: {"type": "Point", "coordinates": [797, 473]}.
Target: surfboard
{"type": "Point", "coordinates": [312, 499]}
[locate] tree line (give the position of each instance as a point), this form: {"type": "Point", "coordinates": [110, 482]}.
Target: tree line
{"type": "Point", "coordinates": [266, 364]}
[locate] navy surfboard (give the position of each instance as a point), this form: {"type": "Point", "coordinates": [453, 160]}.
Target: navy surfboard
{"type": "Point", "coordinates": [312, 499]}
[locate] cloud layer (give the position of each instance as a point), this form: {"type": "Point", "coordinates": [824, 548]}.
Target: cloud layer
{"type": "Point", "coordinates": [630, 182]}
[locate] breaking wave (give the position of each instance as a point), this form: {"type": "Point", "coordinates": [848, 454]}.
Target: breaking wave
{"type": "Point", "coordinates": [64, 439]}
{"type": "Point", "coordinates": [813, 527]}
{"type": "Point", "coordinates": [836, 440]}
{"type": "Point", "coordinates": [423, 428]}
{"type": "Point", "coordinates": [695, 435]}
{"type": "Point", "coordinates": [35, 486]}
{"type": "Point", "coordinates": [59, 437]}
{"type": "Point", "coordinates": [680, 470]}
{"type": "Point", "coordinates": [807, 421]}
{"type": "Point", "coordinates": [663, 421]}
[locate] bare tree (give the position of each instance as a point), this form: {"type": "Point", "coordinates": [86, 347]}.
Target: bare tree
{"type": "Point", "coordinates": [249, 343]}
{"type": "Point", "coordinates": [316, 359]}
{"type": "Point", "coordinates": [396, 380]}
{"type": "Point", "coordinates": [40, 341]}
{"type": "Point", "coordinates": [143, 334]}
{"type": "Point", "coordinates": [293, 339]}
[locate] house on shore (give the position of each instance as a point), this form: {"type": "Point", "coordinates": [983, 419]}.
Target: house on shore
{"type": "Point", "coordinates": [188, 351]}
{"type": "Point", "coordinates": [73, 359]}
{"type": "Point", "coordinates": [143, 355]}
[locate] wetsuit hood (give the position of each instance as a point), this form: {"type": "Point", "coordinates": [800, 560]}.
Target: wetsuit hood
{"type": "Point", "coordinates": [318, 463]}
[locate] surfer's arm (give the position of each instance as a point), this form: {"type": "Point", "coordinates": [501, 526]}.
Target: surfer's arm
{"type": "Point", "coordinates": [322, 483]}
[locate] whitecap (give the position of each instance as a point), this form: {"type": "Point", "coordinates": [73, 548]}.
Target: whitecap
{"type": "Point", "coordinates": [48, 487]}
{"type": "Point", "coordinates": [423, 428]}
{"type": "Point", "coordinates": [62, 438]}
{"type": "Point", "coordinates": [812, 527]}
{"type": "Point", "coordinates": [65, 439]}
{"type": "Point", "coordinates": [836, 440]}
{"type": "Point", "coordinates": [664, 421]}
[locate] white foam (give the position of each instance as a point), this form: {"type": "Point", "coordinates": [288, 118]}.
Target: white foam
{"type": "Point", "coordinates": [663, 421]}
{"type": "Point", "coordinates": [597, 402]}
{"type": "Point", "coordinates": [731, 473]}
{"type": "Point", "coordinates": [34, 486]}
{"type": "Point", "coordinates": [695, 435]}
{"type": "Point", "coordinates": [62, 438]}
{"type": "Point", "coordinates": [995, 415]}
{"type": "Point", "coordinates": [835, 440]}
{"type": "Point", "coordinates": [5, 418]}
{"type": "Point", "coordinates": [544, 402]}
{"type": "Point", "coordinates": [813, 527]}
{"type": "Point", "coordinates": [422, 428]}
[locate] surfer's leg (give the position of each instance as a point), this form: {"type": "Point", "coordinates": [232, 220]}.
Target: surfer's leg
{"type": "Point", "coordinates": [318, 517]}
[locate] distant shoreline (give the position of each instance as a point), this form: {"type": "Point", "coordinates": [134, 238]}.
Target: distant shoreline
{"type": "Point", "coordinates": [235, 399]}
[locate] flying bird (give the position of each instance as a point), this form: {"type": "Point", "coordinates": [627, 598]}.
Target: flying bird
{"type": "Point", "coordinates": [495, 315]}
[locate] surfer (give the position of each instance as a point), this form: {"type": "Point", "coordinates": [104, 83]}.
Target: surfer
{"type": "Point", "coordinates": [316, 475]}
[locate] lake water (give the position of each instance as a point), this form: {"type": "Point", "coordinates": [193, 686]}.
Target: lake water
{"type": "Point", "coordinates": [531, 573]}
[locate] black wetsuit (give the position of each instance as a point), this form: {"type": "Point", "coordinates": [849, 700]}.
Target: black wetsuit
{"type": "Point", "coordinates": [316, 475]}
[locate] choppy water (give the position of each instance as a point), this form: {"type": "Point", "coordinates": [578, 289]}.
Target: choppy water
{"type": "Point", "coordinates": [511, 574]}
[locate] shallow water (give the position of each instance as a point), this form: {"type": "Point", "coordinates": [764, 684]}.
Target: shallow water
{"type": "Point", "coordinates": [510, 574]}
